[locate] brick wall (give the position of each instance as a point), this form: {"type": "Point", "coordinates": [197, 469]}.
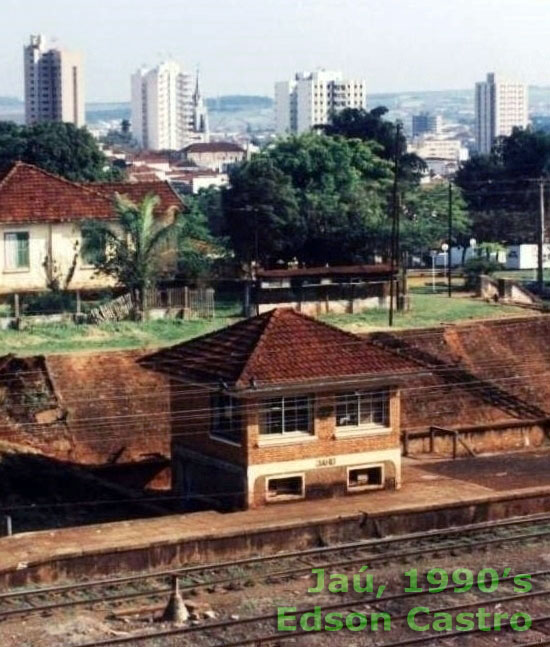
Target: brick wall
{"type": "Point", "coordinates": [192, 429]}
{"type": "Point", "coordinates": [326, 444]}
{"type": "Point", "coordinates": [211, 468]}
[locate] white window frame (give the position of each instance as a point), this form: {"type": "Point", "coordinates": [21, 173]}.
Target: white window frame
{"type": "Point", "coordinates": [362, 429]}
{"type": "Point", "coordinates": [285, 437]}
{"type": "Point", "coordinates": [22, 268]}
{"type": "Point", "coordinates": [362, 488]}
{"type": "Point", "coordinates": [285, 497]}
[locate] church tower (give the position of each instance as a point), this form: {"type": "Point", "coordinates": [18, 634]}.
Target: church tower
{"type": "Point", "coordinates": [200, 114]}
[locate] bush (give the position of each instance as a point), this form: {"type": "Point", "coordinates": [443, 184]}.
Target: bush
{"type": "Point", "coordinates": [48, 303]}
{"type": "Point", "coordinates": [477, 266]}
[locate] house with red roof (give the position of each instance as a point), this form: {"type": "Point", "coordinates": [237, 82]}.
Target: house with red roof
{"type": "Point", "coordinates": [41, 220]}
{"type": "Point", "coordinates": [282, 407]}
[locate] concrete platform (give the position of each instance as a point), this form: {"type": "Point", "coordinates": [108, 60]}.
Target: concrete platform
{"type": "Point", "coordinates": [435, 493]}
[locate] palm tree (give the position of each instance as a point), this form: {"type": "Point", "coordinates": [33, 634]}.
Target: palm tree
{"type": "Point", "coordinates": [131, 251]}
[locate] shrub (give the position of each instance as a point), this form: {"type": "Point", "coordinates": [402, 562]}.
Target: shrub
{"type": "Point", "coordinates": [477, 266]}
{"type": "Point", "coordinates": [48, 303]}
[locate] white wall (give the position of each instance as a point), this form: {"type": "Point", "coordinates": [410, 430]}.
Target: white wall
{"type": "Point", "coordinates": [66, 241]}
{"type": "Point", "coordinates": [525, 257]}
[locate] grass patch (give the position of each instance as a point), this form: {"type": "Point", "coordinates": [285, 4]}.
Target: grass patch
{"type": "Point", "coordinates": [426, 310]}
{"type": "Point", "coordinates": [58, 338]}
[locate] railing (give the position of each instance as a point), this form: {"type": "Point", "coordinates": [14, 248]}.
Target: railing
{"type": "Point", "coordinates": [432, 434]}
{"type": "Point", "coordinates": [191, 304]}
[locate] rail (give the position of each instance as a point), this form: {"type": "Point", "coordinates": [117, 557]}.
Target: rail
{"type": "Point", "coordinates": [434, 432]}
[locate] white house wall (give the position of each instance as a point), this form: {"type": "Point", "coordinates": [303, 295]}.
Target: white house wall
{"type": "Point", "coordinates": [66, 241]}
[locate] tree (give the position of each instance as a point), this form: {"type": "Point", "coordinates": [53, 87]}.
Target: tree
{"type": "Point", "coordinates": [197, 246]}
{"type": "Point", "coordinates": [313, 197]}
{"type": "Point", "coordinates": [59, 148]}
{"type": "Point", "coordinates": [424, 224]}
{"type": "Point", "coordinates": [135, 251]}
{"type": "Point", "coordinates": [261, 212]}
{"type": "Point", "coordinates": [358, 123]}
{"type": "Point", "coordinates": [501, 188]}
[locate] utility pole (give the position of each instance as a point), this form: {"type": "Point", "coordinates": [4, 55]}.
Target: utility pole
{"type": "Point", "coordinates": [450, 242]}
{"type": "Point", "coordinates": [394, 247]}
{"type": "Point", "coordinates": [540, 241]}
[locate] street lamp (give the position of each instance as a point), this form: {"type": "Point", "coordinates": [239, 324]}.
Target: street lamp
{"type": "Point", "coordinates": [445, 249]}
{"type": "Point", "coordinates": [433, 254]}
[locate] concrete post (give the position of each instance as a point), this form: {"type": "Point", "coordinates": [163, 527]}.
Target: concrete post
{"type": "Point", "coordinates": [175, 611]}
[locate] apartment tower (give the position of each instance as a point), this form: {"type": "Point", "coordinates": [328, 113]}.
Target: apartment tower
{"type": "Point", "coordinates": [310, 99]}
{"type": "Point", "coordinates": [54, 83]}
{"type": "Point", "coordinates": [500, 106]}
{"type": "Point", "coordinates": [166, 113]}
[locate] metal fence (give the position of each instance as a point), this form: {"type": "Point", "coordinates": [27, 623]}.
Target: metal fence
{"type": "Point", "coordinates": [176, 301]}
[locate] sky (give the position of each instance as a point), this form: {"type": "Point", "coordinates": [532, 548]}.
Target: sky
{"type": "Point", "coordinates": [244, 46]}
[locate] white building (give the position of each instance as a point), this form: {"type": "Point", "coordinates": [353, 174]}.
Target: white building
{"type": "Point", "coordinates": [54, 83]}
{"type": "Point", "coordinates": [438, 148]}
{"type": "Point", "coordinates": [525, 257]}
{"type": "Point", "coordinates": [310, 99]}
{"type": "Point", "coordinates": [166, 113]}
{"type": "Point", "coordinates": [500, 106]}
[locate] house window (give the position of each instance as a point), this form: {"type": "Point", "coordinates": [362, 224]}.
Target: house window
{"type": "Point", "coordinates": [16, 248]}
{"type": "Point", "coordinates": [368, 477]}
{"type": "Point", "coordinates": [226, 418]}
{"type": "Point", "coordinates": [285, 487]}
{"type": "Point", "coordinates": [363, 409]}
{"type": "Point", "coordinates": [93, 247]}
{"type": "Point", "coordinates": [286, 415]}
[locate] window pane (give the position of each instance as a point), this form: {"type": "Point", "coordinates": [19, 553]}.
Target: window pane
{"type": "Point", "coordinates": [362, 408]}
{"type": "Point", "coordinates": [366, 402]}
{"type": "Point", "coordinates": [16, 250]}
{"type": "Point", "coordinates": [93, 248]}
{"type": "Point", "coordinates": [226, 417]}
{"type": "Point", "coordinates": [374, 407]}
{"type": "Point", "coordinates": [271, 416]}
{"type": "Point", "coordinates": [380, 407]}
{"type": "Point", "coordinates": [286, 415]}
{"type": "Point", "coordinates": [22, 249]}
{"type": "Point", "coordinates": [297, 414]}
{"type": "Point", "coordinates": [347, 410]}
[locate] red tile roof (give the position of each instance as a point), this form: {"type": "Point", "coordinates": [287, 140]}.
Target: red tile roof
{"type": "Point", "coordinates": [136, 191]}
{"type": "Point", "coordinates": [356, 270]}
{"type": "Point", "coordinates": [30, 194]}
{"type": "Point", "coordinates": [277, 348]}
{"type": "Point", "coordinates": [142, 177]}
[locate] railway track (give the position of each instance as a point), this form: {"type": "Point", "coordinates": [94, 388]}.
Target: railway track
{"type": "Point", "coordinates": [259, 629]}
{"type": "Point", "coordinates": [153, 588]}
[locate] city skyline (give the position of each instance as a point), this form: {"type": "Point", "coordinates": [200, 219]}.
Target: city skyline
{"type": "Point", "coordinates": [420, 40]}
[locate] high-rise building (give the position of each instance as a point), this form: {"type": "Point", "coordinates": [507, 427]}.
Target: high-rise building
{"type": "Point", "coordinates": [310, 99]}
{"type": "Point", "coordinates": [500, 106]}
{"type": "Point", "coordinates": [166, 113]}
{"type": "Point", "coordinates": [54, 83]}
{"type": "Point", "coordinates": [426, 122]}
